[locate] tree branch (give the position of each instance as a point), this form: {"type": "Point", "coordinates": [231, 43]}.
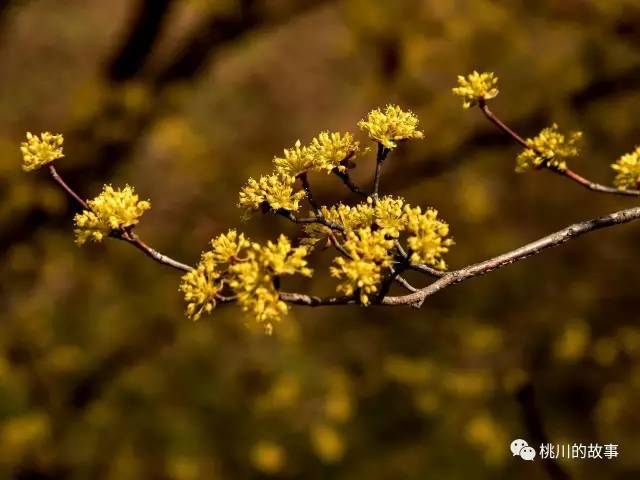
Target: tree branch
{"type": "Point", "coordinates": [336, 243]}
{"type": "Point", "coordinates": [568, 173]}
{"type": "Point", "coordinates": [66, 188]}
{"type": "Point", "coordinates": [304, 179]}
{"type": "Point", "coordinates": [308, 220]}
{"type": "Point", "coordinates": [133, 239]}
{"type": "Point", "coordinates": [462, 274]}
{"type": "Point", "coordinates": [402, 281]}
{"type": "Point", "coordinates": [395, 272]}
{"type": "Point", "coordinates": [126, 235]}
{"type": "Point", "coordinates": [533, 248]}
{"type": "Point", "coordinates": [434, 272]}
{"type": "Point", "coordinates": [417, 297]}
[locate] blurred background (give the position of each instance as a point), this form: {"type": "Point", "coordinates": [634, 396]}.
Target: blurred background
{"type": "Point", "coordinates": [102, 377]}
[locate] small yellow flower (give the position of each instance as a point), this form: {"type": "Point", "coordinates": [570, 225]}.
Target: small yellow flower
{"type": "Point", "coordinates": [549, 149]}
{"type": "Point", "coordinates": [39, 151]}
{"type": "Point", "coordinates": [296, 160]}
{"type": "Point", "coordinates": [281, 259]}
{"type": "Point", "coordinates": [428, 237]}
{"type": "Point", "coordinates": [389, 215]}
{"type": "Point", "coordinates": [325, 153]}
{"type": "Point", "coordinates": [256, 292]}
{"type": "Point", "coordinates": [200, 287]}
{"type": "Point", "coordinates": [329, 149]}
{"type": "Point", "coordinates": [628, 170]}
{"type": "Point", "coordinates": [226, 247]}
{"type": "Point", "coordinates": [111, 210]}
{"type": "Point", "coordinates": [248, 272]}
{"type": "Point", "coordinates": [254, 280]}
{"type": "Point", "coordinates": [390, 126]}
{"type": "Point", "coordinates": [272, 192]}
{"type": "Point", "coordinates": [351, 218]}
{"type": "Point", "coordinates": [476, 87]}
{"type": "Point", "coordinates": [369, 255]}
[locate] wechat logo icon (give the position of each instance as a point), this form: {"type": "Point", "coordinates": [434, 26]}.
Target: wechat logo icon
{"type": "Point", "coordinates": [522, 449]}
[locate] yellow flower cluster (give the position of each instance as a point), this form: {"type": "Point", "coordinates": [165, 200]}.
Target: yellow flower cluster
{"type": "Point", "coordinates": [369, 255]}
{"type": "Point", "coordinates": [428, 240]}
{"type": "Point", "coordinates": [549, 149]}
{"type": "Point", "coordinates": [202, 285]}
{"type": "Point", "coordinates": [281, 258]}
{"type": "Point", "coordinates": [388, 215]}
{"type": "Point", "coordinates": [324, 153]}
{"type": "Point", "coordinates": [349, 217]}
{"type": "Point", "coordinates": [369, 233]}
{"type": "Point", "coordinates": [39, 151]}
{"type": "Point", "coordinates": [253, 280]}
{"type": "Point", "coordinates": [296, 160]}
{"type": "Point", "coordinates": [111, 210]}
{"type": "Point", "coordinates": [249, 271]}
{"type": "Point", "coordinates": [427, 235]}
{"type": "Point", "coordinates": [476, 87]}
{"type": "Point", "coordinates": [628, 170]}
{"type": "Point", "coordinates": [276, 191]}
{"type": "Point", "coordinates": [271, 192]}
{"type": "Point", "coordinates": [390, 126]}
{"type": "Point", "coordinates": [227, 247]}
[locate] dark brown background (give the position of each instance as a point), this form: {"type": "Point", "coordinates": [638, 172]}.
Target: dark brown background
{"type": "Point", "coordinates": [101, 376]}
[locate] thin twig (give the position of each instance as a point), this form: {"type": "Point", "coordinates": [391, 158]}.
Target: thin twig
{"type": "Point", "coordinates": [304, 179]}
{"type": "Point", "coordinates": [67, 188]}
{"type": "Point", "coordinates": [126, 235]}
{"type": "Point", "coordinates": [315, 301]}
{"type": "Point", "coordinates": [567, 172]}
{"type": "Point", "coordinates": [596, 187]}
{"type": "Point", "coordinates": [288, 214]}
{"type": "Point", "coordinates": [419, 267]}
{"type": "Point", "coordinates": [501, 125]}
{"type": "Point", "coordinates": [134, 240]}
{"type": "Point", "coordinates": [343, 174]}
{"type": "Point", "coordinates": [338, 245]}
{"type": "Point", "coordinates": [393, 275]}
{"type": "Point", "coordinates": [402, 281]}
{"type": "Point", "coordinates": [434, 272]}
{"type": "Point", "coordinates": [346, 179]}
{"type": "Point", "coordinates": [380, 158]}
